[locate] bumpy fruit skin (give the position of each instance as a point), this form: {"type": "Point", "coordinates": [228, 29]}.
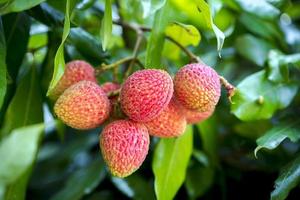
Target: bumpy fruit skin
{"type": "Point", "coordinates": [145, 94]}
{"type": "Point", "coordinates": [193, 117]}
{"type": "Point", "coordinates": [75, 71]}
{"type": "Point", "coordinates": [84, 105]}
{"type": "Point", "coordinates": [197, 87]}
{"type": "Point", "coordinates": [109, 87]}
{"type": "Point", "coordinates": [124, 145]}
{"type": "Point", "coordinates": [169, 123]}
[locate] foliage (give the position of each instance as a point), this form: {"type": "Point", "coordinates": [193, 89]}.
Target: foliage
{"type": "Point", "coordinates": [251, 143]}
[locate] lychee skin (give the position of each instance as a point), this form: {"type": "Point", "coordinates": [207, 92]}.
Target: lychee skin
{"type": "Point", "coordinates": [197, 87]}
{"type": "Point", "coordinates": [75, 71]}
{"type": "Point", "coordinates": [145, 94]}
{"type": "Point", "coordinates": [109, 87]}
{"type": "Point", "coordinates": [124, 145]}
{"type": "Point", "coordinates": [194, 117]}
{"type": "Point", "coordinates": [169, 123]}
{"type": "Point", "coordinates": [84, 105]}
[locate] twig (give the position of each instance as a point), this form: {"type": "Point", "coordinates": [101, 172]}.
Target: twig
{"type": "Point", "coordinates": [230, 88]}
{"type": "Point", "coordinates": [104, 67]}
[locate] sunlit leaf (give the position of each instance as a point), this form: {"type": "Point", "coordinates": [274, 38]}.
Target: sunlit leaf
{"type": "Point", "coordinates": [59, 60]}
{"type": "Point", "coordinates": [18, 5]}
{"type": "Point", "coordinates": [106, 25]}
{"type": "Point", "coordinates": [272, 138]}
{"type": "Point", "coordinates": [183, 34]}
{"type": "Point", "coordinates": [170, 162]}
{"type": "Point", "coordinates": [288, 179]}
{"type": "Point", "coordinates": [258, 98]}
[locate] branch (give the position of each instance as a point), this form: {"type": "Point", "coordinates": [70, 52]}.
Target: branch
{"type": "Point", "coordinates": [230, 88]}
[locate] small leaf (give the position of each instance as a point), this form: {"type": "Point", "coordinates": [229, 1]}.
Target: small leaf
{"type": "Point", "coordinates": [157, 38]}
{"type": "Point", "coordinates": [59, 60]}
{"type": "Point", "coordinates": [272, 138]}
{"type": "Point", "coordinates": [151, 6]}
{"type": "Point", "coordinates": [18, 5]}
{"type": "Point", "coordinates": [253, 48]}
{"type": "Point", "coordinates": [183, 34]}
{"type": "Point", "coordinates": [3, 72]}
{"type": "Point", "coordinates": [106, 25]}
{"type": "Point", "coordinates": [15, 161]}
{"type": "Point", "coordinates": [260, 8]}
{"type": "Point", "coordinates": [204, 8]}
{"type": "Point", "coordinates": [82, 182]}
{"type": "Point", "coordinates": [288, 179]}
{"type": "Point", "coordinates": [258, 98]}
{"type": "Point", "coordinates": [170, 162]}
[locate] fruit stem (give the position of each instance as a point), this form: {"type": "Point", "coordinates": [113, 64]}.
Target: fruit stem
{"type": "Point", "coordinates": [229, 87]}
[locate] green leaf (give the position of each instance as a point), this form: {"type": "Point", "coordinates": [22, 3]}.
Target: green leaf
{"type": "Point", "coordinates": [3, 72]}
{"type": "Point", "coordinates": [59, 60]}
{"type": "Point", "coordinates": [157, 38]}
{"type": "Point", "coordinates": [260, 8]}
{"type": "Point", "coordinates": [26, 106]}
{"type": "Point", "coordinates": [16, 27]}
{"type": "Point", "coordinates": [106, 25]}
{"type": "Point", "coordinates": [134, 186]}
{"type": "Point", "coordinates": [15, 161]}
{"type": "Point", "coordinates": [18, 5]}
{"type": "Point", "coordinates": [170, 162]}
{"type": "Point", "coordinates": [82, 182]}
{"type": "Point", "coordinates": [272, 138]}
{"type": "Point", "coordinates": [151, 6]}
{"type": "Point", "coordinates": [204, 8]}
{"type": "Point", "coordinates": [258, 98]}
{"type": "Point", "coordinates": [183, 34]}
{"type": "Point", "coordinates": [253, 48]}
{"type": "Point", "coordinates": [288, 179]}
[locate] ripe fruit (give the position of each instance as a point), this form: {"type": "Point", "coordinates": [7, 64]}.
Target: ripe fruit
{"type": "Point", "coordinates": [193, 117]}
{"type": "Point", "coordinates": [197, 87]}
{"type": "Point", "coordinates": [145, 94]}
{"type": "Point", "coordinates": [75, 71]}
{"type": "Point", "coordinates": [124, 145]}
{"type": "Point", "coordinates": [84, 105]}
{"type": "Point", "coordinates": [169, 123]}
{"type": "Point", "coordinates": [109, 87]}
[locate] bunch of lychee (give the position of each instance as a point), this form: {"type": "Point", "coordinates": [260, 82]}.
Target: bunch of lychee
{"type": "Point", "coordinates": [151, 102]}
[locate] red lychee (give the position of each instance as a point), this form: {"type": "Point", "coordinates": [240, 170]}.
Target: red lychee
{"type": "Point", "coordinates": [75, 71]}
{"type": "Point", "coordinates": [169, 123]}
{"type": "Point", "coordinates": [197, 87]}
{"type": "Point", "coordinates": [124, 145]}
{"type": "Point", "coordinates": [145, 94]}
{"type": "Point", "coordinates": [84, 105]}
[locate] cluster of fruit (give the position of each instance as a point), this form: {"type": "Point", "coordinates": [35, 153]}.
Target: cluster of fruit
{"type": "Point", "coordinates": [151, 102]}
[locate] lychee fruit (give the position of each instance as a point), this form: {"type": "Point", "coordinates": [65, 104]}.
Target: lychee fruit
{"type": "Point", "coordinates": [145, 94]}
{"type": "Point", "coordinates": [75, 71]}
{"type": "Point", "coordinates": [84, 105]}
{"type": "Point", "coordinates": [109, 87]}
{"type": "Point", "coordinates": [124, 145]}
{"type": "Point", "coordinates": [197, 87]}
{"type": "Point", "coordinates": [169, 123]}
{"type": "Point", "coordinates": [193, 117]}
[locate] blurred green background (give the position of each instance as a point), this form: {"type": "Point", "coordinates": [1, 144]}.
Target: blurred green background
{"type": "Point", "coordinates": [246, 150]}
